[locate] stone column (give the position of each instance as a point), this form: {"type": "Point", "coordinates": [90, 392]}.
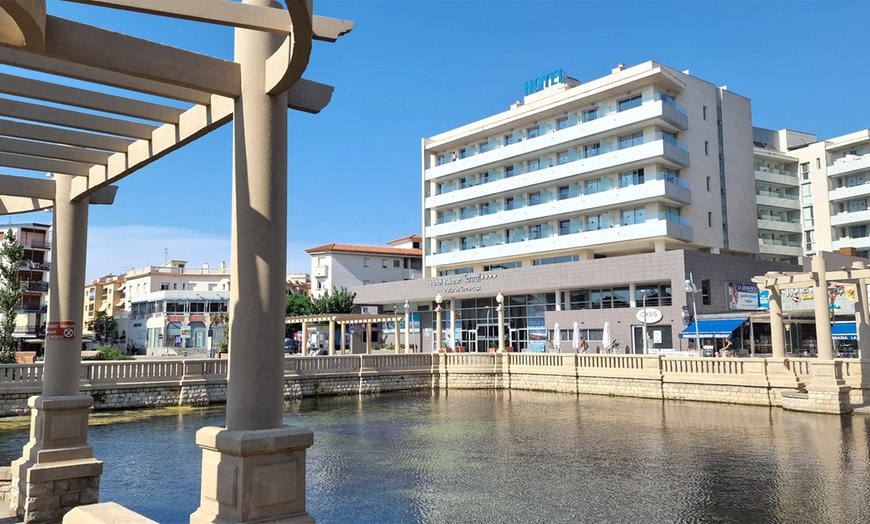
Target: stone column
{"type": "Point", "coordinates": [332, 337]}
{"type": "Point", "coordinates": [438, 327]}
{"type": "Point", "coordinates": [453, 325]}
{"type": "Point", "coordinates": [254, 469]}
{"type": "Point", "coordinates": [369, 337]}
{"type": "Point", "coordinates": [341, 344]}
{"type": "Point", "coordinates": [827, 392]}
{"type": "Point", "coordinates": [304, 342]}
{"type": "Point", "coordinates": [777, 327]}
{"type": "Point", "coordinates": [862, 320]}
{"type": "Point", "coordinates": [57, 470]}
{"type": "Point", "coordinates": [500, 310]}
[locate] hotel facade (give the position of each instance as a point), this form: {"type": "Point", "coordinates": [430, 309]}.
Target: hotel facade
{"type": "Point", "coordinates": [593, 203]}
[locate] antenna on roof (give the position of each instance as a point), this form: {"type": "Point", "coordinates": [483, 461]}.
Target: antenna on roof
{"type": "Point", "coordinates": [165, 255]}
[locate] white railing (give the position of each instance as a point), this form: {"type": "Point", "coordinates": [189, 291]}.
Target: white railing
{"type": "Point", "coordinates": [684, 369]}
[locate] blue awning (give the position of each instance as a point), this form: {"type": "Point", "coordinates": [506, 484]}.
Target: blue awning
{"type": "Point", "coordinates": [712, 328]}
{"type": "Point", "coordinates": [844, 331]}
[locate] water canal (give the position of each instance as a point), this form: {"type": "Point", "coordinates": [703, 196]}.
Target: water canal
{"type": "Point", "coordinates": [516, 457]}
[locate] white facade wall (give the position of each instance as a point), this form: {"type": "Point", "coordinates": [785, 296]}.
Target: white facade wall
{"type": "Point", "coordinates": [356, 269]}
{"type": "Point", "coordinates": [575, 203]}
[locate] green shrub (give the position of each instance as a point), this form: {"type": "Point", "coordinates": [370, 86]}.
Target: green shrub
{"type": "Point", "coordinates": [108, 353]}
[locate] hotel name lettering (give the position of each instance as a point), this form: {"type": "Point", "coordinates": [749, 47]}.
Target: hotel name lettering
{"type": "Point", "coordinates": [462, 283]}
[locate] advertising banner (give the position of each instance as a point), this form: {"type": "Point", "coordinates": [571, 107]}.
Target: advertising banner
{"type": "Point", "coordinates": [742, 296]}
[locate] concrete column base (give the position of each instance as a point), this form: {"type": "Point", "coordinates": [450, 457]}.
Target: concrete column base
{"type": "Point", "coordinates": [827, 392]}
{"type": "Point", "coordinates": [253, 475]}
{"type": "Point", "coordinates": [57, 470]}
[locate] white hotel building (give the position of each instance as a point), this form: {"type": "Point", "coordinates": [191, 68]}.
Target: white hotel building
{"type": "Point", "coordinates": [584, 200]}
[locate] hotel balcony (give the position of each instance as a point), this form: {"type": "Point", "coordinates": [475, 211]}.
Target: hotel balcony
{"type": "Point", "coordinates": [859, 243]}
{"type": "Point", "coordinates": [651, 112]}
{"type": "Point", "coordinates": [779, 226]}
{"type": "Point", "coordinates": [776, 176]}
{"type": "Point", "coordinates": [661, 147]}
{"type": "Point", "coordinates": [776, 200]}
{"type": "Point", "coordinates": [849, 193]}
{"type": "Point", "coordinates": [780, 247]}
{"type": "Point", "coordinates": [661, 227]}
{"type": "Point", "coordinates": [667, 189]}
{"type": "Point", "coordinates": [849, 164]}
{"type": "Point", "coordinates": [851, 217]}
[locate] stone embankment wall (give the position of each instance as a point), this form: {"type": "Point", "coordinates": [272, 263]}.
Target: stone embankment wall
{"type": "Point", "coordinates": [172, 382]}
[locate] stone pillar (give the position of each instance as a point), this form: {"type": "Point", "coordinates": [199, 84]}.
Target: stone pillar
{"type": "Point", "coordinates": [332, 337]}
{"type": "Point", "coordinates": [304, 342]}
{"type": "Point", "coordinates": [827, 392]}
{"type": "Point", "coordinates": [407, 329]}
{"type": "Point", "coordinates": [57, 470]}
{"type": "Point", "coordinates": [862, 319]}
{"type": "Point", "coordinates": [438, 328]}
{"type": "Point", "coordinates": [254, 469]}
{"type": "Point", "coordinates": [369, 337]}
{"type": "Point", "coordinates": [341, 343]}
{"type": "Point", "coordinates": [453, 325]}
{"type": "Point", "coordinates": [777, 328]}
{"type": "Point", "coordinates": [500, 310]}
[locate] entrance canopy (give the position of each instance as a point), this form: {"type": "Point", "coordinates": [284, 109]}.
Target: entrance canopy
{"type": "Point", "coordinates": [712, 328]}
{"type": "Point", "coordinates": [844, 331]}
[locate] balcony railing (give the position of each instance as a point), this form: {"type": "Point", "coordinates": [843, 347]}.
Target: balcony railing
{"type": "Point", "coordinates": [36, 286]}
{"type": "Point", "coordinates": [30, 264]}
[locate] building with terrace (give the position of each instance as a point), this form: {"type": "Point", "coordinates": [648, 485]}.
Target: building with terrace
{"type": "Point", "coordinates": [34, 273]}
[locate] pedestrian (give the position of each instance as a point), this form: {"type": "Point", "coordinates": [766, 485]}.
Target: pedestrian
{"type": "Point", "coordinates": [583, 345]}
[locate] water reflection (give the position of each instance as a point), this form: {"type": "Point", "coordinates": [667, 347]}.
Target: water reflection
{"type": "Point", "coordinates": [519, 457]}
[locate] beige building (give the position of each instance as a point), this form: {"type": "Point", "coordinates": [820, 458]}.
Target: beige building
{"type": "Point", "coordinates": [34, 273]}
{"type": "Point", "coordinates": [348, 265]}
{"type": "Point", "coordinates": [109, 295]}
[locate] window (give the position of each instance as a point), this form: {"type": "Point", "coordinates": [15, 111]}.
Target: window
{"type": "Point", "coordinates": [504, 265]}
{"type": "Point", "coordinates": [365, 262]}
{"type": "Point", "coordinates": [631, 178]}
{"type": "Point", "coordinates": [534, 198]}
{"type": "Point", "coordinates": [704, 112]}
{"type": "Point", "coordinates": [563, 192]}
{"type": "Point", "coordinates": [562, 157]}
{"type": "Point", "coordinates": [805, 171]}
{"type": "Point", "coordinates": [535, 231]}
{"type": "Point", "coordinates": [562, 123]}
{"type": "Point", "coordinates": [533, 131]}
{"type": "Point", "coordinates": [484, 208]}
{"type": "Point", "coordinates": [397, 264]}
{"type": "Point", "coordinates": [706, 147]}
{"type": "Point", "coordinates": [564, 227]}
{"type": "Point", "coordinates": [590, 114]}
{"type": "Point", "coordinates": [705, 293]}
{"type": "Point", "coordinates": [534, 164]}
{"type": "Point", "coordinates": [508, 171]}
{"type": "Point", "coordinates": [710, 218]}
{"type": "Point", "coordinates": [164, 286]}
{"type": "Point", "coordinates": [634, 139]}
{"type": "Point", "coordinates": [818, 163]}
{"type": "Point", "coordinates": [366, 282]}
{"type": "Point", "coordinates": [708, 183]}
{"type": "Point", "coordinates": [384, 263]}
{"type": "Point", "coordinates": [628, 103]}
{"type": "Point", "coordinates": [591, 149]}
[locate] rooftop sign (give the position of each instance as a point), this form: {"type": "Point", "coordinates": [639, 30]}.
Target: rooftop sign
{"type": "Point", "coordinates": [552, 78]}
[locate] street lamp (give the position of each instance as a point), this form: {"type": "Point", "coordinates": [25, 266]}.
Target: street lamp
{"type": "Point", "coordinates": [691, 288]}
{"type": "Point", "coordinates": [438, 300]}
{"type": "Point", "coordinates": [407, 326]}
{"type": "Point", "coordinates": [645, 339]}
{"type": "Point", "coordinates": [499, 299]}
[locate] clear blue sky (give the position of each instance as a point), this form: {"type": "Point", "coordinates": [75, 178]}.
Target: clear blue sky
{"type": "Point", "coordinates": [415, 68]}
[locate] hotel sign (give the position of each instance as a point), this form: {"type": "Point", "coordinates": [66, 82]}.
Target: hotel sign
{"type": "Point", "coordinates": [462, 283]}
{"type": "Point", "coordinates": [552, 78]}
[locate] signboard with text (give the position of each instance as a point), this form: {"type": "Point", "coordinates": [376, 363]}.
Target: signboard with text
{"type": "Point", "coordinates": [742, 296]}
{"type": "Point", "coordinates": [60, 330]}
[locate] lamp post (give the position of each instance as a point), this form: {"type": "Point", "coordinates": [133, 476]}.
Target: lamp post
{"type": "Point", "coordinates": [645, 339]}
{"type": "Point", "coordinates": [438, 300]}
{"type": "Point", "coordinates": [691, 288]}
{"type": "Point", "coordinates": [488, 326]}
{"type": "Point", "coordinates": [499, 299]}
{"type": "Point", "coordinates": [407, 326]}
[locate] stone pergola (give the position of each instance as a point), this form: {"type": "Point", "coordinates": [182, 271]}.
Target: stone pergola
{"type": "Point", "coordinates": [343, 320]}
{"type": "Point", "coordinates": [826, 387]}
{"type": "Point", "coordinates": [88, 140]}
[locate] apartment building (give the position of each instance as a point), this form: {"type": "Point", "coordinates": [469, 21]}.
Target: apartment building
{"type": "Point", "coordinates": [34, 272]}
{"type": "Point", "coordinates": [348, 265]}
{"type": "Point", "coordinates": [107, 294]}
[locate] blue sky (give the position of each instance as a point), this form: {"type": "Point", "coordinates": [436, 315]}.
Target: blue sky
{"type": "Point", "coordinates": [415, 68]}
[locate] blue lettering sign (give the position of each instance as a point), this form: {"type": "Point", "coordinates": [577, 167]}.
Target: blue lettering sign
{"type": "Point", "coordinates": [536, 84]}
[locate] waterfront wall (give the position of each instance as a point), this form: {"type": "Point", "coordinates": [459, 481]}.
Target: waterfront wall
{"type": "Point", "coordinates": [172, 381]}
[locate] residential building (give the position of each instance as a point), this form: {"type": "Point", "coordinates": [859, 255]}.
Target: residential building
{"type": "Point", "coordinates": [348, 265]}
{"type": "Point", "coordinates": [34, 273]}
{"type": "Point", "coordinates": [107, 294]}
{"type": "Point", "coordinates": [593, 203]}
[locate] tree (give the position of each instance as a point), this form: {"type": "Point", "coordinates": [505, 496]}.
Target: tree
{"type": "Point", "coordinates": [11, 293]}
{"type": "Point", "coordinates": [340, 301]}
{"type": "Point", "coordinates": [295, 306]}
{"type": "Point", "coordinates": [103, 326]}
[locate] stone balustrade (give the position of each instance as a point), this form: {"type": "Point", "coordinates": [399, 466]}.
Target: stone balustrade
{"type": "Point", "coordinates": [170, 381]}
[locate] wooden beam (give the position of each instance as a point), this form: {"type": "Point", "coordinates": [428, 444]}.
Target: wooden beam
{"type": "Point", "coordinates": [90, 45]}
{"type": "Point", "coordinates": [46, 64]}
{"type": "Point", "coordinates": [56, 152]}
{"type": "Point", "coordinates": [63, 136]}
{"type": "Point", "coordinates": [73, 119]}
{"type": "Point", "coordinates": [22, 186]}
{"type": "Point", "coordinates": [42, 165]}
{"type": "Point", "coordinates": [73, 96]}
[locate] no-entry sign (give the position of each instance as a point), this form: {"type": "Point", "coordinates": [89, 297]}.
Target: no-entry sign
{"type": "Point", "coordinates": [60, 330]}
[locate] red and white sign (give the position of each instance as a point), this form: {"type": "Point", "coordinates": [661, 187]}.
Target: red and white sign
{"type": "Point", "coordinates": [60, 330]}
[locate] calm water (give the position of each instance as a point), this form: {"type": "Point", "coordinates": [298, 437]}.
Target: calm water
{"type": "Point", "coordinates": [519, 457]}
